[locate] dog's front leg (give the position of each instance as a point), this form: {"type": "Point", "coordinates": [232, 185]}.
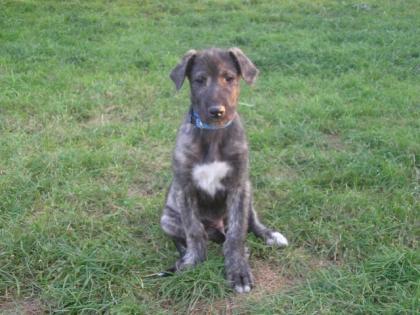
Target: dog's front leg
{"type": "Point", "coordinates": [196, 236]}
{"type": "Point", "coordinates": [236, 263]}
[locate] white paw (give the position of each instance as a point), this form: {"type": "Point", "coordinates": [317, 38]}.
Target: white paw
{"type": "Point", "coordinates": [242, 289]}
{"type": "Point", "coordinates": [277, 239]}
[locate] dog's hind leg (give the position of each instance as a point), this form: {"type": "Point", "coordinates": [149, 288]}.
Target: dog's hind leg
{"type": "Point", "coordinates": [260, 230]}
{"type": "Point", "coordinates": [172, 226]}
{"type": "Point", "coordinates": [181, 224]}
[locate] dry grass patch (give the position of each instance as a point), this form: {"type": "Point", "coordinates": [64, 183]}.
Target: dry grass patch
{"type": "Point", "coordinates": [334, 142]}
{"type": "Point", "coordinates": [108, 115]}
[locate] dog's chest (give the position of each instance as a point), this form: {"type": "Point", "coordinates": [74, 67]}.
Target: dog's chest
{"type": "Point", "coordinates": [208, 176]}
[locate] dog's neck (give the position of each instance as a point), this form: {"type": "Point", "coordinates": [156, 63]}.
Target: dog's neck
{"type": "Point", "coordinates": [218, 144]}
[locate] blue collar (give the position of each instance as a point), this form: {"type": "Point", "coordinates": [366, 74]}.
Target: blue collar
{"type": "Point", "coordinates": [197, 122]}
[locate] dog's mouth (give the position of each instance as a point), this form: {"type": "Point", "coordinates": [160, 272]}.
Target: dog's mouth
{"type": "Point", "coordinates": [217, 120]}
{"type": "Point", "coordinates": [211, 122]}
{"type": "Point", "coordinates": [220, 121]}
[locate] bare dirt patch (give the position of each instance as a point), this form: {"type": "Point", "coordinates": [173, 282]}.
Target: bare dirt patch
{"type": "Point", "coordinates": [27, 306]}
{"type": "Point", "coordinates": [269, 278]}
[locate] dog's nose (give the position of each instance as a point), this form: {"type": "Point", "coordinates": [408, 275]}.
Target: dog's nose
{"type": "Point", "coordinates": [217, 111]}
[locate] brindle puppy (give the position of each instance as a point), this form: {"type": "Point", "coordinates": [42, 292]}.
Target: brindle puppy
{"type": "Point", "coordinates": [210, 195]}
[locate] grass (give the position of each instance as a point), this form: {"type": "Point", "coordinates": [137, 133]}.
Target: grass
{"type": "Point", "coordinates": [88, 119]}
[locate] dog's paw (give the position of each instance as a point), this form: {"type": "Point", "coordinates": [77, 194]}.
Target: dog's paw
{"type": "Point", "coordinates": [187, 261]}
{"type": "Point", "coordinates": [240, 277]}
{"type": "Point", "coordinates": [277, 239]}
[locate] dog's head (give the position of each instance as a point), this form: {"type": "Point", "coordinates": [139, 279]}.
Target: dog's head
{"type": "Point", "coordinates": [214, 76]}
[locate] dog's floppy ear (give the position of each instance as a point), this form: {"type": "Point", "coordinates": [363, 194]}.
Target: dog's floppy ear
{"type": "Point", "coordinates": [248, 70]}
{"type": "Point", "coordinates": [180, 71]}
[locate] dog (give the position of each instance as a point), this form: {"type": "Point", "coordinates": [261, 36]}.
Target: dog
{"type": "Point", "coordinates": [210, 197]}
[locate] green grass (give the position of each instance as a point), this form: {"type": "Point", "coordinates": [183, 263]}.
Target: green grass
{"type": "Point", "coordinates": [88, 118]}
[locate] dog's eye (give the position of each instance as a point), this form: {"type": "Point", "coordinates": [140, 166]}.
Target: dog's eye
{"type": "Point", "coordinates": [200, 80]}
{"type": "Point", "coordinates": [229, 79]}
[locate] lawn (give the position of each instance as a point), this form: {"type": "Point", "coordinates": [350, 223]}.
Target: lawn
{"type": "Point", "coordinates": [88, 119]}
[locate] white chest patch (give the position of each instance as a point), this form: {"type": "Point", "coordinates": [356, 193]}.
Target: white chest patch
{"type": "Point", "coordinates": [208, 176]}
